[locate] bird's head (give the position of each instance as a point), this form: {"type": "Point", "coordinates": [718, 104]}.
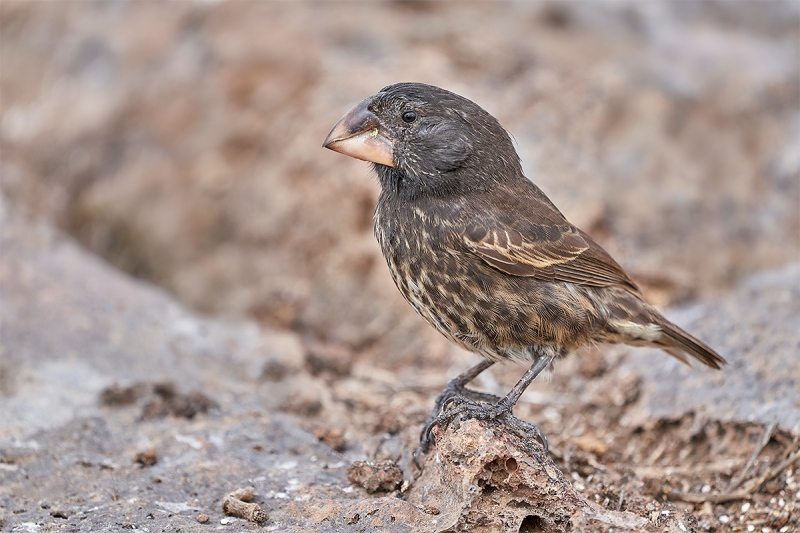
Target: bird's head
{"type": "Point", "coordinates": [424, 140]}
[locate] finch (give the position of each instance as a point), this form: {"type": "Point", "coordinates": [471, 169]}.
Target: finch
{"type": "Point", "coordinates": [483, 255]}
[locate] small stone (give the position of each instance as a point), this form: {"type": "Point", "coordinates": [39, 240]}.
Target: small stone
{"type": "Point", "coordinates": [146, 458]}
{"type": "Point", "coordinates": [333, 437]}
{"type": "Point", "coordinates": [745, 507]}
{"type": "Point", "coordinates": [592, 444]}
{"type": "Point", "coordinates": [329, 358]}
{"type": "Point", "coordinates": [724, 519]}
{"type": "Point", "coordinates": [380, 476]}
{"type": "Point", "coordinates": [202, 518]}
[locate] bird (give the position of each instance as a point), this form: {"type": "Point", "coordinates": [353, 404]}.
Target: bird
{"type": "Point", "coordinates": [484, 256]}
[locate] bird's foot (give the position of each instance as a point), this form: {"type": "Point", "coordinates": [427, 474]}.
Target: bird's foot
{"type": "Point", "coordinates": [457, 408]}
{"type": "Point", "coordinates": [455, 390]}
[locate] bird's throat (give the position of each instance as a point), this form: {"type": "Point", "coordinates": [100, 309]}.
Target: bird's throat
{"type": "Point", "coordinates": [397, 182]}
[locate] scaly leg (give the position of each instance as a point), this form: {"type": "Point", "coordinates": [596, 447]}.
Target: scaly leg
{"type": "Point", "coordinates": [465, 408]}
{"type": "Point", "coordinates": [456, 388]}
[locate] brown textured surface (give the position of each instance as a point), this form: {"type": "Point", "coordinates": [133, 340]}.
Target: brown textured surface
{"type": "Point", "coordinates": [479, 479]}
{"type": "Point", "coordinates": [180, 142]}
{"type": "Point", "coordinates": [86, 350]}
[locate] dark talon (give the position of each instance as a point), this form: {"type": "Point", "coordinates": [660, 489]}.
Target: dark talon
{"type": "Point", "coordinates": [457, 421]}
{"type": "Point", "coordinates": [446, 403]}
{"type": "Point", "coordinates": [543, 438]}
{"type": "Point", "coordinates": [417, 453]}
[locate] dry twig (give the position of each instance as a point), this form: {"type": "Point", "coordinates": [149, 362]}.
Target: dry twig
{"type": "Point", "coordinates": [735, 490]}
{"type": "Point", "coordinates": [234, 504]}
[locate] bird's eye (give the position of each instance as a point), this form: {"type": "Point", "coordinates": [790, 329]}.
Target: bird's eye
{"type": "Point", "coordinates": [409, 116]}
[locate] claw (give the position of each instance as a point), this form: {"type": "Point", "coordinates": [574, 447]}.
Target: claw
{"type": "Point", "coordinates": [526, 430]}
{"type": "Point", "coordinates": [457, 421]}
{"type": "Point", "coordinates": [426, 438]}
{"type": "Point", "coordinates": [446, 403]}
{"type": "Point", "coordinates": [543, 440]}
{"type": "Point", "coordinates": [417, 454]}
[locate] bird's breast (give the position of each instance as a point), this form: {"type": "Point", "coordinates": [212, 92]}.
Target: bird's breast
{"type": "Point", "coordinates": [429, 271]}
{"type": "Point", "coordinates": [472, 304]}
{"type": "Point", "coordinates": [412, 249]}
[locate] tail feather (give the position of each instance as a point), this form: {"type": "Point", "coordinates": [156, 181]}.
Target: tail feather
{"type": "Point", "coordinates": [634, 322]}
{"type": "Point", "coordinates": [678, 343]}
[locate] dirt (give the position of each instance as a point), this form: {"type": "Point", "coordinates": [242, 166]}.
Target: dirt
{"type": "Point", "coordinates": [383, 476]}
{"type": "Point", "coordinates": [193, 301]}
{"type": "Point", "coordinates": [158, 399]}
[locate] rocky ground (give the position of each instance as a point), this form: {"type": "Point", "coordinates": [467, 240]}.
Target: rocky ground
{"type": "Point", "coordinates": [193, 303]}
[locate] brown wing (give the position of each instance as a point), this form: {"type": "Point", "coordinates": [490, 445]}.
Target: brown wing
{"type": "Point", "coordinates": [545, 252]}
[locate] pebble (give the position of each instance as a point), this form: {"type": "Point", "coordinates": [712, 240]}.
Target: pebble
{"type": "Point", "coordinates": [723, 519]}
{"type": "Point", "coordinates": [751, 527]}
{"type": "Point", "coordinates": [745, 507]}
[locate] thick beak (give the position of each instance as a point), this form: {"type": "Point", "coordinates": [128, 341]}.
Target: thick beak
{"type": "Point", "coordinates": [359, 134]}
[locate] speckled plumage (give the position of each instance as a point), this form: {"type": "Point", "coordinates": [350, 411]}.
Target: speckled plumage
{"type": "Point", "coordinates": [486, 258]}
{"type": "Point", "coordinates": [478, 250]}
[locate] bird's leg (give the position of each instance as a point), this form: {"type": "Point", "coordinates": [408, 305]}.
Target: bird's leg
{"type": "Point", "coordinates": [465, 408]}
{"type": "Point", "coordinates": [456, 387]}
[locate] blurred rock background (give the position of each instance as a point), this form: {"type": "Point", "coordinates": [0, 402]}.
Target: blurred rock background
{"type": "Point", "coordinates": [180, 141]}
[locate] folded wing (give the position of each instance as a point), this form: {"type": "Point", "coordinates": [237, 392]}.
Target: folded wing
{"type": "Point", "coordinates": [545, 252]}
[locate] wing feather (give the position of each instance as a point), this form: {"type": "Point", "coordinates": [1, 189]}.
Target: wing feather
{"type": "Point", "coordinates": [545, 252]}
